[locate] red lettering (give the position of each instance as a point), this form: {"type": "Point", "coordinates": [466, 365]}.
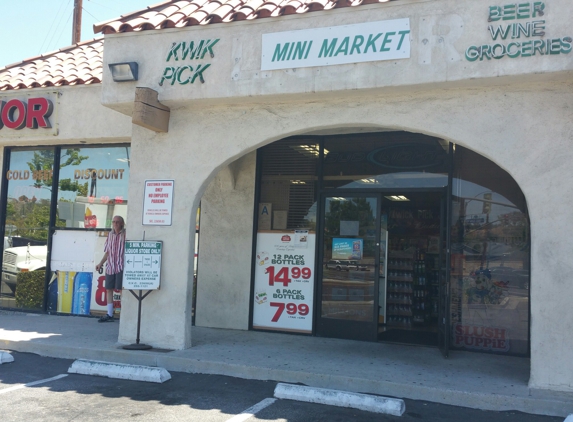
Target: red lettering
{"type": "Point", "coordinates": [39, 109]}
{"type": "Point", "coordinates": [488, 332]}
{"type": "Point", "coordinates": [17, 114]}
{"type": "Point", "coordinates": [9, 118]}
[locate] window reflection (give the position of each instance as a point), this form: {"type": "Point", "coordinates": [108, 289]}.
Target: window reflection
{"type": "Point", "coordinates": [490, 258]}
{"type": "Point", "coordinates": [385, 160]}
{"type": "Point", "coordinates": [29, 182]}
{"type": "Point", "coordinates": [93, 186]}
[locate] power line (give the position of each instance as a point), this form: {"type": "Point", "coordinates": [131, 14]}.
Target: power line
{"type": "Point", "coordinates": [57, 30]}
{"type": "Point", "coordinates": [50, 30]}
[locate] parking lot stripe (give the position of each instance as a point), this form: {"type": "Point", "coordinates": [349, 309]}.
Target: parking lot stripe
{"type": "Point", "coordinates": [251, 411]}
{"type": "Point", "coordinates": [31, 384]}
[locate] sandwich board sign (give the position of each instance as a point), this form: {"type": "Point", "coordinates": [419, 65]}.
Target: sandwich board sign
{"type": "Point", "coordinates": [142, 265]}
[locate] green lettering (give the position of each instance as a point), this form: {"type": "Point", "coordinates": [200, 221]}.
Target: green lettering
{"type": "Point", "coordinates": [173, 52]}
{"type": "Point", "coordinates": [358, 41]}
{"type": "Point", "coordinates": [192, 51]}
{"type": "Point", "coordinates": [499, 31]}
{"type": "Point", "coordinates": [326, 49]}
{"type": "Point", "coordinates": [538, 46]}
{"type": "Point", "coordinates": [494, 13]}
{"type": "Point", "coordinates": [279, 54]}
{"type": "Point", "coordinates": [167, 74]}
{"type": "Point", "coordinates": [386, 41]}
{"type": "Point", "coordinates": [370, 43]}
{"type": "Point", "coordinates": [538, 8]}
{"type": "Point", "coordinates": [526, 48]}
{"type": "Point", "coordinates": [308, 50]}
{"type": "Point", "coordinates": [517, 52]}
{"type": "Point", "coordinates": [199, 73]}
{"type": "Point", "coordinates": [299, 50]}
{"type": "Point", "coordinates": [472, 53]}
{"type": "Point", "coordinates": [209, 48]}
{"type": "Point", "coordinates": [343, 48]}
{"type": "Point", "coordinates": [554, 46]}
{"type": "Point", "coordinates": [566, 45]}
{"type": "Point", "coordinates": [403, 34]}
{"type": "Point", "coordinates": [186, 81]}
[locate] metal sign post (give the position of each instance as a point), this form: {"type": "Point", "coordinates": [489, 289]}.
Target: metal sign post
{"type": "Point", "coordinates": [142, 271]}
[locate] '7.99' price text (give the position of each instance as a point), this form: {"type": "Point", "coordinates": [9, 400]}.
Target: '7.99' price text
{"type": "Point", "coordinates": [291, 309]}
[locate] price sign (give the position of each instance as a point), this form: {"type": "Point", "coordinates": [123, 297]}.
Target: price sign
{"type": "Point", "coordinates": [284, 281]}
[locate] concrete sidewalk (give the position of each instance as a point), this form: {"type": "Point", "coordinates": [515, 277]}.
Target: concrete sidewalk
{"type": "Point", "coordinates": [474, 380]}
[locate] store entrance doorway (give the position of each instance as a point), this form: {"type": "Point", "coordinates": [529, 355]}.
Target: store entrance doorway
{"type": "Point", "coordinates": [382, 266]}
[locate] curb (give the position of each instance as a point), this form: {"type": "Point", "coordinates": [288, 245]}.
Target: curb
{"type": "Point", "coordinates": [120, 371]}
{"type": "Point", "coordinates": [376, 404]}
{"type": "Point", "coordinates": [6, 357]}
{"type": "Point", "coordinates": [537, 402]}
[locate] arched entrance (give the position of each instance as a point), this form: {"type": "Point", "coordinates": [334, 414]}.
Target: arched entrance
{"type": "Point", "coordinates": [415, 240]}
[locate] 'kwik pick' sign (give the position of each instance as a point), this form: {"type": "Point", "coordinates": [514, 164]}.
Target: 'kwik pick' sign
{"type": "Point", "coordinates": [17, 114]}
{"type": "Point", "coordinates": [188, 73]}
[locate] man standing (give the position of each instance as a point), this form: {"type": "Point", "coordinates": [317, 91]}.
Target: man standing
{"type": "Point", "coordinates": [113, 254]}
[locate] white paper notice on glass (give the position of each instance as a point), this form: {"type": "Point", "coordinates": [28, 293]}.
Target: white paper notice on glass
{"type": "Point", "coordinates": [301, 239]}
{"type": "Point", "coordinates": [158, 202]}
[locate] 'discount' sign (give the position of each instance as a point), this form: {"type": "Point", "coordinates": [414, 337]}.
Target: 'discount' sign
{"type": "Point", "coordinates": [363, 42]}
{"type": "Point", "coordinates": [142, 265]}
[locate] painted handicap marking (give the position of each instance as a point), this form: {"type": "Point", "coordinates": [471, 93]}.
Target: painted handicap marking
{"type": "Point", "coordinates": [251, 411]}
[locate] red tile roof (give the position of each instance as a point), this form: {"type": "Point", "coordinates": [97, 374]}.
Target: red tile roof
{"type": "Point", "coordinates": [79, 64]}
{"type": "Point", "coordinates": [180, 13]}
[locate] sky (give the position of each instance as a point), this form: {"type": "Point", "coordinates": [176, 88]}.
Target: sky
{"type": "Point", "coordinates": [29, 28]}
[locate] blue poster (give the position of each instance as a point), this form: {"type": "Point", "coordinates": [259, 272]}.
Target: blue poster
{"type": "Point", "coordinates": [347, 248]}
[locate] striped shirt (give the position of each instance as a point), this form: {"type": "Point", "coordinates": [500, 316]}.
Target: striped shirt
{"type": "Point", "coordinates": [115, 248]}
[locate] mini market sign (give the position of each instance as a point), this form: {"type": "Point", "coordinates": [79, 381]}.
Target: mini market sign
{"type": "Point", "coordinates": [363, 42]}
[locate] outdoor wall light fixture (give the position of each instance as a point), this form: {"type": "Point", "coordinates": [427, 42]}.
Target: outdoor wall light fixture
{"type": "Point", "coordinates": [123, 72]}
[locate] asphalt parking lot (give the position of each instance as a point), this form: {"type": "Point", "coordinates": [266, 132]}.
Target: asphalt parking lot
{"type": "Point", "coordinates": [53, 395]}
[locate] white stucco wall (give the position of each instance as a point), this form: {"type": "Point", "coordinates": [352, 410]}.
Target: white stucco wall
{"type": "Point", "coordinates": [78, 117]}
{"type": "Point", "coordinates": [516, 112]}
{"type": "Point", "coordinates": [523, 128]}
{"type": "Point", "coordinates": [226, 240]}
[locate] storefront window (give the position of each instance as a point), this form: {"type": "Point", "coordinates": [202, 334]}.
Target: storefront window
{"type": "Point", "coordinates": [29, 182]}
{"type": "Point", "coordinates": [93, 186]}
{"type": "Point", "coordinates": [286, 237]}
{"type": "Point", "coordinates": [490, 258]}
{"type": "Point", "coordinates": [385, 160]}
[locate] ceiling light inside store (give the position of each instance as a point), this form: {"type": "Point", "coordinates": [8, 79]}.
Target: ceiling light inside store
{"type": "Point", "coordinates": [298, 182]}
{"type": "Point", "coordinates": [309, 150]}
{"type": "Point", "coordinates": [338, 198]}
{"type": "Point", "coordinates": [369, 181]}
{"type": "Point", "coordinates": [399, 198]}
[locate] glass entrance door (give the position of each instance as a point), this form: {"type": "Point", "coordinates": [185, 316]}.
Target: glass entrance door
{"type": "Point", "coordinates": [349, 275]}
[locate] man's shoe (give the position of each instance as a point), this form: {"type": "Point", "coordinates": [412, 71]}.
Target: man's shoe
{"type": "Point", "coordinates": [106, 318]}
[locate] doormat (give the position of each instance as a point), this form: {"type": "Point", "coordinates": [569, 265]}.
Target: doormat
{"type": "Point", "coordinates": [422, 338]}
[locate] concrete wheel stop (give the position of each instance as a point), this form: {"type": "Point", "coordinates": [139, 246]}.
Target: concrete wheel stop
{"type": "Point", "coordinates": [120, 371]}
{"type": "Point", "coordinates": [369, 403]}
{"type": "Point", "coordinates": [5, 357]}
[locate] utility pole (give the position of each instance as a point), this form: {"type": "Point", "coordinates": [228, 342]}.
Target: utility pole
{"type": "Point", "coordinates": [77, 25]}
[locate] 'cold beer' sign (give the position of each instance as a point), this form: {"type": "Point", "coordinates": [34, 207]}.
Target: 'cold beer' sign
{"type": "Point", "coordinates": [17, 114]}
